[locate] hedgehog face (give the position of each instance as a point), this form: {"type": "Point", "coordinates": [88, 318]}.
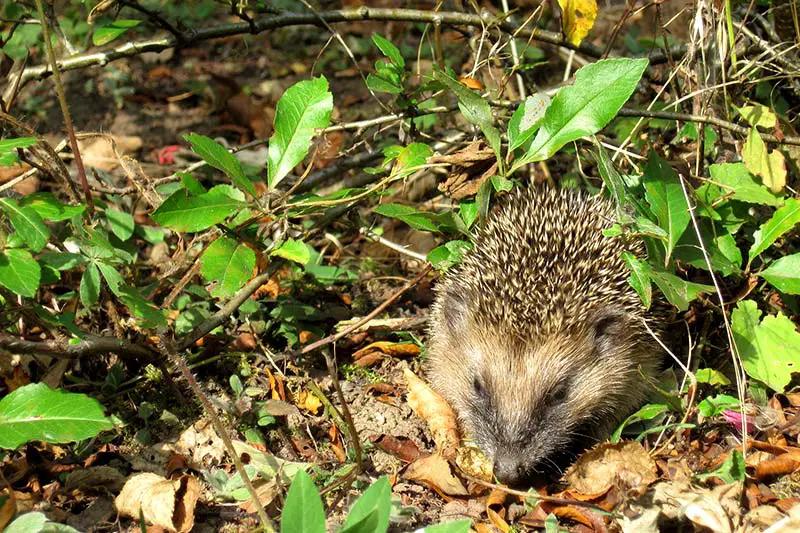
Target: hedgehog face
{"type": "Point", "coordinates": [534, 405]}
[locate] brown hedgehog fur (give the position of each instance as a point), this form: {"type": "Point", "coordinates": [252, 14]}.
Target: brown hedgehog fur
{"type": "Point", "coordinates": [536, 339]}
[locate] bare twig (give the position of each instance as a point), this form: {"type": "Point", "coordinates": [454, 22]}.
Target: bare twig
{"type": "Point", "coordinates": [88, 345]}
{"type": "Point", "coordinates": [302, 19]}
{"type": "Point", "coordinates": [375, 312]}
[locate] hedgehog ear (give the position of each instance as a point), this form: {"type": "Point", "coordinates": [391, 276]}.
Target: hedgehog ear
{"type": "Point", "coordinates": [606, 326]}
{"type": "Point", "coordinates": [455, 312]}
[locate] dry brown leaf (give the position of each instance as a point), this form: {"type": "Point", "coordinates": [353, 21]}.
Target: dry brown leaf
{"type": "Point", "coordinates": [435, 411]}
{"type": "Point", "coordinates": [435, 472]}
{"type": "Point", "coordinates": [266, 491]}
{"type": "Point", "coordinates": [7, 509]}
{"type": "Point", "coordinates": [395, 349]}
{"type": "Point", "coordinates": [626, 464]}
{"type": "Point", "coordinates": [164, 503]}
{"type": "Point", "coordinates": [104, 152]}
{"type": "Point", "coordinates": [96, 478]}
{"type": "Point", "coordinates": [780, 465]}
{"type": "Point", "coordinates": [401, 447]}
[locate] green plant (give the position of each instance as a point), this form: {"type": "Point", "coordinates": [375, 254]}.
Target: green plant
{"type": "Point", "coordinates": [303, 511]}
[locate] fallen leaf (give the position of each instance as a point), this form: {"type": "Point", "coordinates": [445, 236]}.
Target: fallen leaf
{"type": "Point", "coordinates": [162, 502]}
{"type": "Point", "coordinates": [395, 349]}
{"type": "Point", "coordinates": [401, 447]}
{"type": "Point", "coordinates": [435, 472]}
{"type": "Point", "coordinates": [309, 402]}
{"type": "Point", "coordinates": [626, 464]}
{"type": "Point", "coordinates": [432, 408]}
{"type": "Point", "coordinates": [105, 152]}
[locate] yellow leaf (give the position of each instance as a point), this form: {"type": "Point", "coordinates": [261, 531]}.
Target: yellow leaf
{"type": "Point", "coordinates": [770, 166]}
{"type": "Point", "coordinates": [577, 18]}
{"type": "Point", "coordinates": [309, 402]}
{"type": "Point", "coordinates": [757, 115]}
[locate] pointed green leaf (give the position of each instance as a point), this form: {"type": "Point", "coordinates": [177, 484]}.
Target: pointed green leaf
{"type": "Point", "coordinates": [8, 155]}
{"type": "Point", "coordinates": [389, 50]}
{"type": "Point", "coordinates": [293, 250]}
{"type": "Point", "coordinates": [229, 263]}
{"type": "Point", "coordinates": [734, 180]}
{"type": "Point", "coordinates": [90, 286]}
{"type": "Point", "coordinates": [303, 511]}
{"type": "Point", "coordinates": [664, 193]}
{"type": "Point", "coordinates": [370, 513]}
{"type": "Point", "coordinates": [182, 212]}
{"type": "Point", "coordinates": [19, 272]}
{"type": "Point", "coordinates": [37, 412]}
{"type": "Point", "coordinates": [218, 157]}
{"type": "Point", "coordinates": [782, 221]}
{"type": "Point", "coordinates": [416, 219]}
{"type": "Point", "coordinates": [526, 119]}
{"type": "Point", "coordinates": [784, 274]}
{"type": "Point", "coordinates": [303, 108]}
{"type": "Point", "coordinates": [121, 223]}
{"type": "Point", "coordinates": [584, 108]}
{"type": "Point", "coordinates": [474, 108]}
{"type": "Point", "coordinates": [27, 223]}
{"type": "Point", "coordinates": [109, 32]}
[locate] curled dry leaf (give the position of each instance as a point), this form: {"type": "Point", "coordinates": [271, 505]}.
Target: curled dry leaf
{"type": "Point", "coordinates": [435, 472]}
{"type": "Point", "coordinates": [166, 503]}
{"type": "Point", "coordinates": [626, 464]}
{"type": "Point", "coordinates": [309, 402]}
{"type": "Point", "coordinates": [435, 411]}
{"type": "Point", "coordinates": [105, 152]}
{"type": "Point", "coordinates": [395, 349]}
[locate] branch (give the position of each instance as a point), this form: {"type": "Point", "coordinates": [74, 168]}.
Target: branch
{"type": "Point", "coordinates": [190, 37]}
{"type": "Point", "coordinates": [89, 345]}
{"type": "Point", "coordinates": [714, 121]}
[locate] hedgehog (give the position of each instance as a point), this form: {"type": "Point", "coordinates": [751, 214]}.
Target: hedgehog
{"type": "Point", "coordinates": [536, 339]}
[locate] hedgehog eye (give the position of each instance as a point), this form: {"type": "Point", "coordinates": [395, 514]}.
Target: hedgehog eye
{"type": "Point", "coordinates": [560, 393]}
{"type": "Point", "coordinates": [480, 388]}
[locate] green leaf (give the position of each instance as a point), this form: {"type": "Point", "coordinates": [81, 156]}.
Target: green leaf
{"type": "Point", "coordinates": [112, 277]}
{"type": "Point", "coordinates": [109, 32]}
{"type": "Point", "coordinates": [474, 108]}
{"type": "Point", "coordinates": [382, 84]}
{"type": "Point", "coordinates": [50, 208]}
{"type": "Point", "coordinates": [712, 377]}
{"type": "Point", "coordinates": [586, 107]}
{"type": "Point", "coordinates": [182, 212]}
{"type": "Point", "coordinates": [150, 315]}
{"type": "Point", "coordinates": [784, 274]}
{"type": "Point", "coordinates": [61, 260]}
{"type": "Point", "coordinates": [370, 513]}
{"type": "Point", "coordinates": [647, 412]}
{"type": "Point", "coordinates": [389, 50]}
{"type": "Point", "coordinates": [526, 119]}
{"type": "Point", "coordinates": [416, 219]}
{"type": "Point", "coordinates": [457, 526]}
{"type": "Point", "coordinates": [303, 511]}
{"type": "Point", "coordinates": [714, 405]}
{"type": "Point", "coordinates": [19, 272]}
{"type": "Point", "coordinates": [293, 250]}
{"type": "Point", "coordinates": [218, 157]}
{"type": "Point", "coordinates": [8, 148]}
{"type": "Point", "coordinates": [678, 292]}
{"type": "Point", "coordinates": [735, 181]}
{"type": "Point", "coordinates": [37, 412]}
{"type": "Point", "coordinates": [229, 263]}
{"type": "Point", "coordinates": [411, 158]}
{"type": "Point", "coordinates": [36, 522]}
{"type": "Point", "coordinates": [724, 254]}
{"type": "Point", "coordinates": [639, 279]}
{"type": "Point", "coordinates": [664, 193]}
{"type": "Point", "coordinates": [90, 286]}
{"type": "Point", "coordinates": [121, 223]}
{"type": "Point", "coordinates": [770, 350]}
{"type": "Point", "coordinates": [782, 221]}
{"type": "Point", "coordinates": [448, 254]}
{"type": "Point", "coordinates": [303, 108]}
{"type": "Point", "coordinates": [27, 222]}
{"type": "Point", "coordinates": [733, 469]}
